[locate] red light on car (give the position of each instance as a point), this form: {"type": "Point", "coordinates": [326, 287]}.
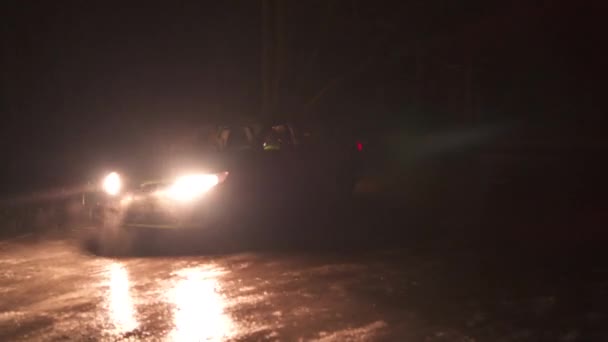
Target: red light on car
{"type": "Point", "coordinates": [359, 146]}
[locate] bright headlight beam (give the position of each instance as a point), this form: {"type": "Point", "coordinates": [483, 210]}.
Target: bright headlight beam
{"type": "Point", "coordinates": [112, 184]}
{"type": "Point", "coordinates": [189, 187]}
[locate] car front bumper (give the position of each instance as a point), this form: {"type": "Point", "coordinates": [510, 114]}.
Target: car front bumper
{"type": "Point", "coordinates": [152, 212]}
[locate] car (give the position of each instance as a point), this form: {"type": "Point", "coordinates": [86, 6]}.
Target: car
{"type": "Point", "coordinates": [246, 173]}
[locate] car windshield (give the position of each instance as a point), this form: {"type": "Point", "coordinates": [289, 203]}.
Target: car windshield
{"type": "Point", "coordinates": [276, 138]}
{"type": "Point", "coordinates": [238, 140]}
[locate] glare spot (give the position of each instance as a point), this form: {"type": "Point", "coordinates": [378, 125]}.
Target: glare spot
{"type": "Point", "coordinates": [199, 307]}
{"type": "Point", "coordinates": [112, 184]}
{"type": "Point", "coordinates": [120, 302]}
{"type": "Point", "coordinates": [189, 187]}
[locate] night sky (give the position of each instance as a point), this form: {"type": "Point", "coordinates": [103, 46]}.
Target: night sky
{"type": "Point", "coordinates": [89, 84]}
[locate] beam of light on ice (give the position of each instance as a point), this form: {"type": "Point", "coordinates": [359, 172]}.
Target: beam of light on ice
{"type": "Point", "coordinates": [120, 303]}
{"type": "Point", "coordinates": [199, 307]}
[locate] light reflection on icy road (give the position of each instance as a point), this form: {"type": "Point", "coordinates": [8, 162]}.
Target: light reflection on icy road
{"type": "Point", "coordinates": [121, 309]}
{"type": "Point", "coordinates": [195, 295]}
{"type": "Point", "coordinates": [52, 290]}
{"type": "Point", "coordinates": [199, 313]}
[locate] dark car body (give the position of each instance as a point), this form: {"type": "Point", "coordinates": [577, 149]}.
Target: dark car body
{"type": "Point", "coordinates": [268, 170]}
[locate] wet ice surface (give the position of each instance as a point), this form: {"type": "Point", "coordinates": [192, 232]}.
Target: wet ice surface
{"type": "Point", "coordinates": [52, 290]}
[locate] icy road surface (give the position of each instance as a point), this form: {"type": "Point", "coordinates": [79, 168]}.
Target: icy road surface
{"type": "Point", "coordinates": [52, 289]}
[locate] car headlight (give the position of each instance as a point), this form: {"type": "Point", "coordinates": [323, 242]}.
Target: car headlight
{"type": "Point", "coordinates": [190, 187]}
{"type": "Point", "coordinates": [112, 184]}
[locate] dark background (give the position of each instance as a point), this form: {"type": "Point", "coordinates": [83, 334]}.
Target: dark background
{"type": "Point", "coordinates": [86, 85]}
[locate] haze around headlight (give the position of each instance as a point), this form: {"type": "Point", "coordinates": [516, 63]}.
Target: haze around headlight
{"type": "Point", "coordinates": [187, 188]}
{"type": "Point", "coordinates": [112, 184]}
